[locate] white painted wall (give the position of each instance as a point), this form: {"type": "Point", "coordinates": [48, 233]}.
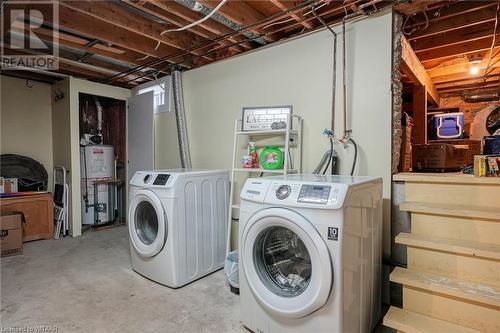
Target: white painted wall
{"type": "Point", "coordinates": [26, 121]}
{"type": "Point", "coordinates": [299, 72]}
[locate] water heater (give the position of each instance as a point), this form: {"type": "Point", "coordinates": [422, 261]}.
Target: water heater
{"type": "Point", "coordinates": [96, 163]}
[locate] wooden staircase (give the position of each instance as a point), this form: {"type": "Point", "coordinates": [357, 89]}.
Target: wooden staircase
{"type": "Point", "coordinates": [452, 283]}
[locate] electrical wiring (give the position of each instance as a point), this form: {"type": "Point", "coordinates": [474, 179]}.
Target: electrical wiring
{"type": "Point", "coordinates": [197, 22]}
{"type": "Point", "coordinates": [237, 32]}
{"type": "Point", "coordinates": [413, 29]}
{"type": "Point", "coordinates": [162, 60]}
{"type": "Point", "coordinates": [143, 58]}
{"type": "Point", "coordinates": [186, 27]}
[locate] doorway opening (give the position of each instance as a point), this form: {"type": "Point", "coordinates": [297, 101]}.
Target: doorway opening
{"type": "Point", "coordinates": [103, 159]}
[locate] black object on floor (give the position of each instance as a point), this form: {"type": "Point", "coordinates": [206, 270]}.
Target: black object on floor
{"type": "Point", "coordinates": [234, 290]}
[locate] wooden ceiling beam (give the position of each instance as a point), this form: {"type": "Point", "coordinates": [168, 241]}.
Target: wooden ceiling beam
{"type": "Point", "coordinates": [457, 18]}
{"type": "Point", "coordinates": [331, 13]}
{"type": "Point", "coordinates": [481, 44]}
{"type": "Point", "coordinates": [78, 43]}
{"type": "Point", "coordinates": [459, 36]}
{"type": "Point", "coordinates": [412, 67]}
{"type": "Point", "coordinates": [463, 77]}
{"type": "Point", "coordinates": [73, 67]}
{"type": "Point", "coordinates": [179, 22]}
{"type": "Point", "coordinates": [286, 5]}
{"type": "Point", "coordinates": [462, 67]}
{"type": "Point", "coordinates": [171, 7]}
{"type": "Point", "coordinates": [240, 13]}
{"type": "Point", "coordinates": [111, 13]}
{"type": "Point", "coordinates": [85, 25]}
{"type": "Point", "coordinates": [474, 86]}
{"type": "Point", "coordinates": [416, 6]}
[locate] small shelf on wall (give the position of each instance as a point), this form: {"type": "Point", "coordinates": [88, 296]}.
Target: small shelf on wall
{"type": "Point", "coordinates": [280, 171]}
{"type": "Point", "coordinates": [290, 140]}
{"type": "Point", "coordinates": [270, 132]}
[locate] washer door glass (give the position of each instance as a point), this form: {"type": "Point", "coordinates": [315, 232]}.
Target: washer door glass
{"type": "Point", "coordinates": [147, 223]}
{"type": "Point", "coordinates": [283, 260]}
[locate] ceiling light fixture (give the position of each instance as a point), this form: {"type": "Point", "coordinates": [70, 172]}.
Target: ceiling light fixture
{"type": "Point", "coordinates": [474, 70]}
{"type": "Point", "coordinates": [474, 62]}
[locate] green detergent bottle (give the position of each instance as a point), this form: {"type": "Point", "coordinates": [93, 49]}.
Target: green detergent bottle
{"type": "Point", "coordinates": [271, 158]}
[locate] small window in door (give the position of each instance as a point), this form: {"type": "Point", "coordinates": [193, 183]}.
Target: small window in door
{"type": "Point", "coordinates": [282, 261]}
{"type": "Point", "coordinates": [161, 92]}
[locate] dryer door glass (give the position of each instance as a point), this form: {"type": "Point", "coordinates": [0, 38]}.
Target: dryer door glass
{"type": "Point", "coordinates": [146, 222]}
{"type": "Point", "coordinates": [283, 262]}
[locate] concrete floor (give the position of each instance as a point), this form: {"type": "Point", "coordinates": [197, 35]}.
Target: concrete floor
{"type": "Point", "coordinates": [85, 284]}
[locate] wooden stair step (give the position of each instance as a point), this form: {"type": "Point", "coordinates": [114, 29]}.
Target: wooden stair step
{"type": "Point", "coordinates": [482, 212]}
{"type": "Point", "coordinates": [471, 291]}
{"type": "Point", "coordinates": [412, 322]}
{"type": "Point", "coordinates": [489, 251]}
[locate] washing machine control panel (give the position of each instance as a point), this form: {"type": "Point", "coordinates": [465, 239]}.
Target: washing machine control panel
{"type": "Point", "coordinates": [283, 192]}
{"type": "Point", "coordinates": [305, 194]}
{"type": "Point", "coordinates": [315, 194]}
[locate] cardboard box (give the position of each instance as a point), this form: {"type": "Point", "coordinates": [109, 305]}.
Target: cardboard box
{"type": "Point", "coordinates": [8, 185]}
{"type": "Point", "coordinates": [11, 239]}
{"type": "Point", "coordinates": [440, 157]}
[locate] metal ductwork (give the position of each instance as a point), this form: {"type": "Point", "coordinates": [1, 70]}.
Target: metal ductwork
{"type": "Point", "coordinates": [478, 97]}
{"type": "Point", "coordinates": [198, 7]}
{"type": "Point", "coordinates": [180, 118]}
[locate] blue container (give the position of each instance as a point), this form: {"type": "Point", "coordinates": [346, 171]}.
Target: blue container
{"type": "Point", "coordinates": [449, 125]}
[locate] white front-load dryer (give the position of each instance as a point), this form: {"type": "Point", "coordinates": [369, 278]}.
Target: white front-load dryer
{"type": "Point", "coordinates": [178, 224]}
{"type": "Point", "coordinates": [310, 253]}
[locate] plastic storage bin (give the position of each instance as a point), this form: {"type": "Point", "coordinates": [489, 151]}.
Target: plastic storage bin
{"type": "Point", "coordinates": [449, 125]}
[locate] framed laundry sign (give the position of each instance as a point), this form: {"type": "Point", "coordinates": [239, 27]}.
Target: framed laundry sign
{"type": "Point", "coordinates": [266, 118]}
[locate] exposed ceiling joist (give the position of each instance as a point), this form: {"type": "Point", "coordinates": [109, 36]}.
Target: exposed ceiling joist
{"type": "Point", "coordinates": [240, 13]}
{"type": "Point", "coordinates": [171, 7]}
{"type": "Point", "coordinates": [454, 17]}
{"type": "Point", "coordinates": [412, 67]}
{"type": "Point", "coordinates": [109, 13]}
{"type": "Point", "coordinates": [179, 22]}
{"type": "Point", "coordinates": [285, 5]}
{"type": "Point", "coordinates": [466, 77]}
{"type": "Point", "coordinates": [86, 25]}
{"type": "Point", "coordinates": [459, 36]}
{"type": "Point", "coordinates": [460, 49]}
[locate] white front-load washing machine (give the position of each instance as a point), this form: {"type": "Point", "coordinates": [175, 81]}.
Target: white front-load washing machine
{"type": "Point", "coordinates": [310, 253]}
{"type": "Point", "coordinates": [178, 224]}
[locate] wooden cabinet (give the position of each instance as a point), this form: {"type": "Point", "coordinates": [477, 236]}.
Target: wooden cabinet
{"type": "Point", "coordinates": [37, 210]}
